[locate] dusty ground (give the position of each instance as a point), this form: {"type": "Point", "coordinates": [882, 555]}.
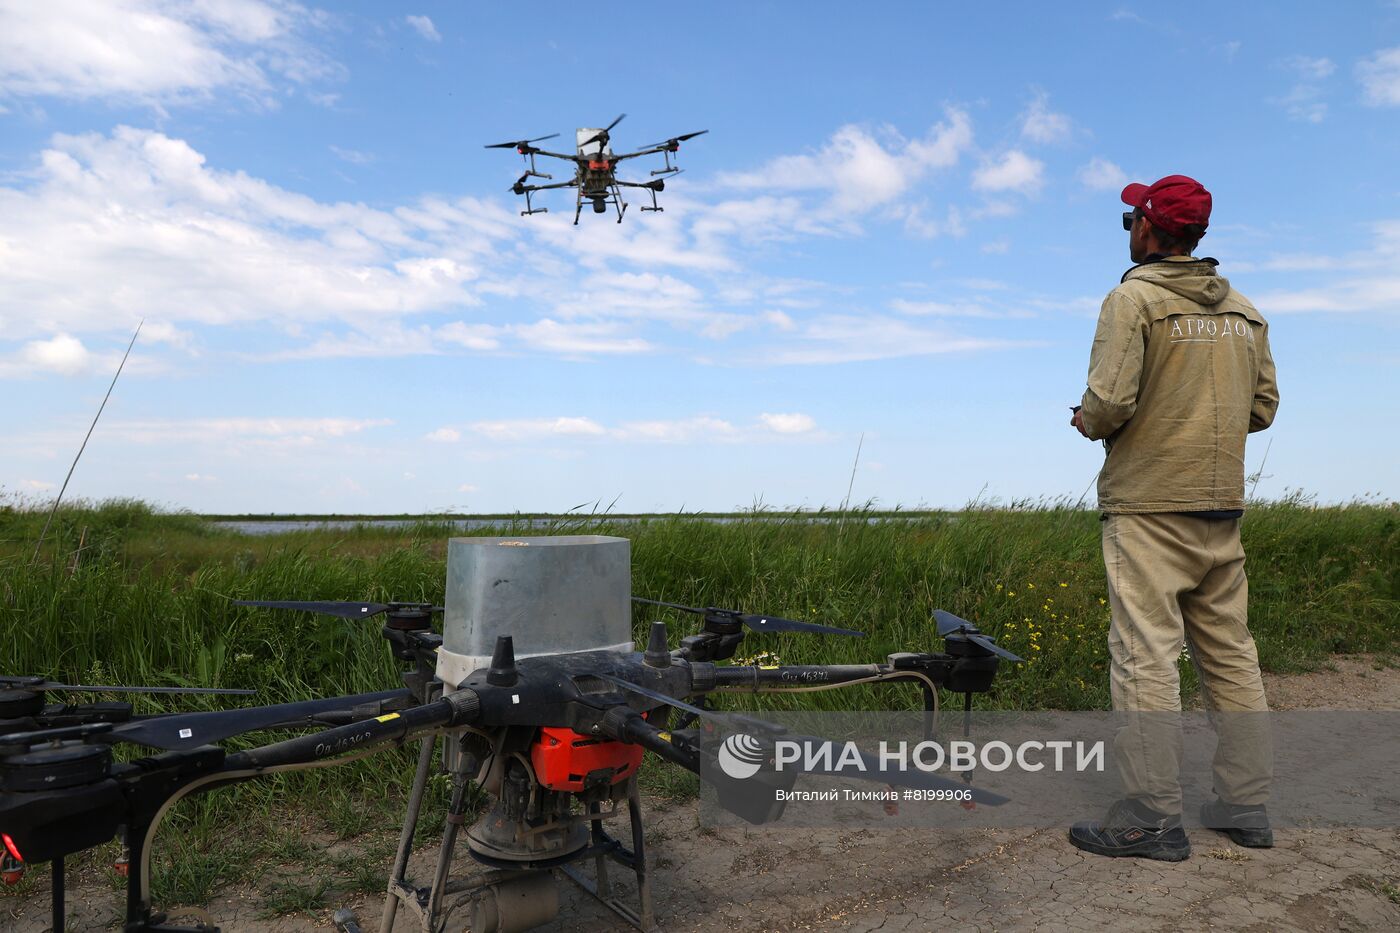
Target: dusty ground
{"type": "Point", "coordinates": [909, 880]}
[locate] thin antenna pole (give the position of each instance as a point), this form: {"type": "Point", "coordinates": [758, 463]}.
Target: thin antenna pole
{"type": "Point", "coordinates": [64, 487]}
{"type": "Point", "coordinates": [845, 503]}
{"type": "Point", "coordinates": [1259, 473]}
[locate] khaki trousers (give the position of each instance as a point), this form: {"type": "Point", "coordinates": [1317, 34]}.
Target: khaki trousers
{"type": "Point", "coordinates": [1173, 581]}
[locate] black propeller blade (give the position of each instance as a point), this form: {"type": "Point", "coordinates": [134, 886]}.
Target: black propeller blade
{"type": "Point", "coordinates": [757, 623]}
{"type": "Point", "coordinates": [187, 730]}
{"type": "Point", "coordinates": [602, 135]}
{"type": "Point", "coordinates": [39, 683]}
{"type": "Point", "coordinates": [872, 770]}
{"type": "Point", "coordinates": [519, 143]}
{"type": "Point", "coordinates": [675, 141]}
{"type": "Point", "coordinates": [949, 624]}
{"type": "Point", "coordinates": [345, 610]}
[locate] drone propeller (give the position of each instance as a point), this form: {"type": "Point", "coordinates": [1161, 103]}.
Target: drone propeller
{"type": "Point", "coordinates": [188, 730]}
{"type": "Point", "coordinates": [675, 141]}
{"type": "Point", "coordinates": [871, 768]}
{"type": "Point", "coordinates": [757, 623]}
{"type": "Point", "coordinates": [949, 624]}
{"type": "Point", "coordinates": [345, 610]}
{"type": "Point", "coordinates": [520, 143]}
{"type": "Point", "coordinates": [602, 135]}
{"type": "Point", "coordinates": [40, 684]}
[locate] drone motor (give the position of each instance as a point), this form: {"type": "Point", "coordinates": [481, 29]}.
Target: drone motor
{"type": "Point", "coordinates": [19, 704]}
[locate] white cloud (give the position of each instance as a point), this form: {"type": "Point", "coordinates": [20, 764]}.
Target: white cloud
{"type": "Point", "coordinates": [353, 156]}
{"type": "Point", "coordinates": [1304, 101]}
{"type": "Point", "coordinates": [779, 319]}
{"type": "Point", "coordinates": [1100, 174]}
{"type": "Point", "coordinates": [1379, 75]}
{"type": "Point", "coordinates": [695, 429]}
{"type": "Point", "coordinates": [466, 487]}
{"type": "Point", "coordinates": [859, 170]}
{"type": "Point", "coordinates": [850, 338]}
{"type": "Point", "coordinates": [156, 51]}
{"type": "Point", "coordinates": [444, 435]}
{"type": "Point", "coordinates": [701, 427]}
{"type": "Point", "coordinates": [62, 354]}
{"type": "Point", "coordinates": [943, 309]}
{"type": "Point", "coordinates": [111, 228]}
{"type": "Point", "coordinates": [1368, 282]}
{"type": "Point", "coordinates": [425, 28]}
{"type": "Point", "coordinates": [1014, 171]}
{"type": "Point", "coordinates": [280, 431]}
{"type": "Point", "coordinates": [1314, 69]}
{"type": "Point", "coordinates": [534, 428]}
{"type": "Point", "coordinates": [470, 336]}
{"type": "Point", "coordinates": [998, 247]}
{"type": "Point", "coordinates": [793, 423]}
{"type": "Point", "coordinates": [578, 338]}
{"type": "Point", "coordinates": [1040, 124]}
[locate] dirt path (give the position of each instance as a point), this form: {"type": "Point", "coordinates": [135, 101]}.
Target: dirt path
{"type": "Point", "coordinates": [777, 879]}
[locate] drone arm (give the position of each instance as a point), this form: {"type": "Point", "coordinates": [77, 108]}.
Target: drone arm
{"type": "Point", "coordinates": [558, 184]}
{"type": "Point", "coordinates": [455, 709]}
{"type": "Point", "coordinates": [640, 152]}
{"type": "Point", "coordinates": [760, 678]}
{"type": "Point", "coordinates": [627, 725]}
{"type": "Point", "coordinates": [554, 155]}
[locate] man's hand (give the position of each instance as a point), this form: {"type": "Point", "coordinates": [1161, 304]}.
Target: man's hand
{"type": "Point", "coordinates": [1078, 421]}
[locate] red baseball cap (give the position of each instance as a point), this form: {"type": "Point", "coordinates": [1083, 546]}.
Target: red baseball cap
{"type": "Point", "coordinates": [1171, 203]}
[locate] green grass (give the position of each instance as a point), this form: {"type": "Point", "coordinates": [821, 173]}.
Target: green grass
{"type": "Point", "coordinates": [125, 593]}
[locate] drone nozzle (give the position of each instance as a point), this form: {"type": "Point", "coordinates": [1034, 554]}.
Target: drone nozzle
{"type": "Point", "coordinates": [11, 848]}
{"type": "Point", "coordinates": [657, 653]}
{"type": "Point", "coordinates": [502, 672]}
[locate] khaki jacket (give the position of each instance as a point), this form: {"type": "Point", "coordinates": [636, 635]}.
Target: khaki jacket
{"type": "Point", "coordinates": [1180, 372]}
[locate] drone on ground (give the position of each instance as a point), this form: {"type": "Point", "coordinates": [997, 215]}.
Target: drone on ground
{"type": "Point", "coordinates": [595, 170]}
{"type": "Point", "coordinates": [552, 726]}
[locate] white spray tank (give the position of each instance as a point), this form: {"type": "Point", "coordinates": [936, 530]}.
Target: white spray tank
{"type": "Point", "coordinates": [553, 595]}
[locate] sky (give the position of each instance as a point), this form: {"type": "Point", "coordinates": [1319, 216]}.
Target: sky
{"type": "Point", "coordinates": [876, 280]}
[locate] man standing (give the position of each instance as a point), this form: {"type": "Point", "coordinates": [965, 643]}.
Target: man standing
{"type": "Point", "coordinates": [1180, 372]}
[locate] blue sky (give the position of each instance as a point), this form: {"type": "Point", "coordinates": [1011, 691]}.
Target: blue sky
{"type": "Point", "coordinates": [899, 228]}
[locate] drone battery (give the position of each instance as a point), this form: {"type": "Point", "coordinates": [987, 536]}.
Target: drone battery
{"type": "Point", "coordinates": [552, 594]}
{"type": "Point", "coordinates": [565, 760]}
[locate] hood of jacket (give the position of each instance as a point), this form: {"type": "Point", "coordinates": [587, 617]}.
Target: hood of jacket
{"type": "Point", "coordinates": [1191, 278]}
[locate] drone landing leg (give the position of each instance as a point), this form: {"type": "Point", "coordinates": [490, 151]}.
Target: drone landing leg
{"type": "Point", "coordinates": [601, 862]}
{"type": "Point", "coordinates": [635, 859]}
{"type": "Point", "coordinates": [617, 200]}
{"type": "Point", "coordinates": [58, 923]}
{"type": "Point", "coordinates": [639, 853]}
{"type": "Point", "coordinates": [410, 825]}
{"type": "Point", "coordinates": [455, 815]}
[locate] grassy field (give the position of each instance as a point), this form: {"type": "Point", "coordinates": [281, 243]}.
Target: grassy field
{"type": "Point", "coordinates": [122, 593]}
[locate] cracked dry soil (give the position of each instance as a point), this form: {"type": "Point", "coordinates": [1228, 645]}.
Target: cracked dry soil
{"type": "Point", "coordinates": [777, 879]}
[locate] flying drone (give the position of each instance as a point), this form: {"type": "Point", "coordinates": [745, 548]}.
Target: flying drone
{"type": "Point", "coordinates": [539, 698]}
{"type": "Point", "coordinates": [595, 169]}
